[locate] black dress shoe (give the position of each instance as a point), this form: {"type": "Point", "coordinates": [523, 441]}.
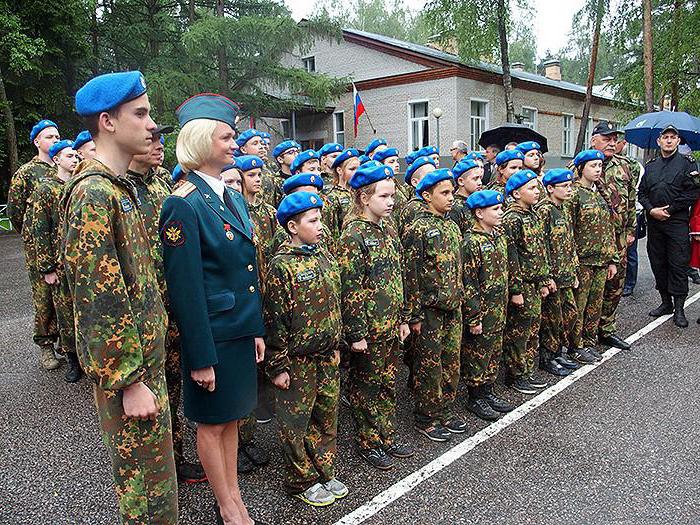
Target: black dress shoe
{"type": "Point", "coordinates": [615, 341]}
{"type": "Point", "coordinates": [553, 367]}
{"type": "Point", "coordinates": [258, 455]}
{"type": "Point", "coordinates": [191, 472]}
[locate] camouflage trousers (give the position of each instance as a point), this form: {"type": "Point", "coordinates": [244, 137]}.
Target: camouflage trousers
{"type": "Point", "coordinates": [612, 296]}
{"type": "Point", "coordinates": [558, 325]}
{"type": "Point", "coordinates": [589, 303]}
{"type": "Point", "coordinates": [481, 357]}
{"type": "Point", "coordinates": [436, 365]}
{"type": "Point", "coordinates": [373, 392]}
{"type": "Point", "coordinates": [63, 308]}
{"type": "Point", "coordinates": [307, 413]}
{"type": "Point", "coordinates": [142, 457]}
{"type": "Point", "coordinates": [45, 324]}
{"type": "Point", "coordinates": [173, 379]}
{"type": "Point", "coordinates": [521, 338]}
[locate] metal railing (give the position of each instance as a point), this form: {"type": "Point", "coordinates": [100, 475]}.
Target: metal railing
{"type": "Point", "coordinates": [5, 224]}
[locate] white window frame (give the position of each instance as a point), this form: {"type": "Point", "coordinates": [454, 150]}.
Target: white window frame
{"type": "Point", "coordinates": [305, 63]}
{"type": "Point", "coordinates": [535, 117]}
{"type": "Point", "coordinates": [411, 120]}
{"type": "Point", "coordinates": [336, 132]}
{"type": "Point", "coordinates": [589, 130]}
{"type": "Point", "coordinates": [570, 151]}
{"type": "Point", "coordinates": [474, 141]}
{"type": "Point", "coordinates": [286, 121]}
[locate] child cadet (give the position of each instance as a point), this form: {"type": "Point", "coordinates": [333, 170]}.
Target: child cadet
{"type": "Point", "coordinates": [284, 154]}
{"type": "Point", "coordinates": [120, 322]}
{"type": "Point", "coordinates": [433, 281]}
{"type": "Point", "coordinates": [231, 176]}
{"type": "Point", "coordinates": [507, 163]}
{"type": "Point", "coordinates": [374, 147]}
{"type": "Point", "coordinates": [418, 169]}
{"type": "Point", "coordinates": [327, 155]}
{"type": "Point", "coordinates": [373, 318]}
{"type": "Point", "coordinates": [559, 307]}
{"type": "Point", "coordinates": [84, 145]}
{"type": "Point", "coordinates": [339, 196]}
{"type": "Point", "coordinates": [530, 281]}
{"type": "Point", "coordinates": [432, 152]}
{"type": "Point", "coordinates": [533, 160]}
{"type": "Point", "coordinates": [485, 278]}
{"type": "Point", "coordinates": [45, 222]}
{"type": "Point", "coordinates": [303, 320]}
{"type": "Point", "coordinates": [468, 174]}
{"type": "Point", "coordinates": [597, 255]}
{"type": "Point", "coordinates": [306, 162]}
{"type": "Point", "coordinates": [390, 157]}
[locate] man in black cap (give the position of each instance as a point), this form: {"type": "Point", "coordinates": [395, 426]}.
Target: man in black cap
{"type": "Point", "coordinates": [666, 192]}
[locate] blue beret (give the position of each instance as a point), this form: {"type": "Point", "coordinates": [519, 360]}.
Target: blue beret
{"type": "Point", "coordinates": [432, 178]}
{"type": "Point", "coordinates": [484, 199]}
{"type": "Point", "coordinates": [208, 106]}
{"type": "Point", "coordinates": [178, 172]}
{"type": "Point", "coordinates": [428, 150]}
{"type": "Point", "coordinates": [473, 155]}
{"type": "Point", "coordinates": [233, 165]}
{"type": "Point", "coordinates": [557, 176]}
{"type": "Point", "coordinates": [504, 157]}
{"type": "Point", "coordinates": [384, 154]}
{"type": "Point", "coordinates": [369, 174]}
{"type": "Point", "coordinates": [41, 126]}
{"type": "Point", "coordinates": [419, 162]}
{"type": "Point", "coordinates": [302, 179]}
{"type": "Point", "coordinates": [331, 147]}
{"type": "Point", "coordinates": [410, 157]}
{"type": "Point", "coordinates": [518, 179]}
{"type": "Point", "coordinates": [285, 146]}
{"type": "Point", "coordinates": [374, 145]}
{"type": "Point", "coordinates": [524, 147]}
{"type": "Point", "coordinates": [304, 156]}
{"type": "Point", "coordinates": [296, 203]}
{"type": "Point", "coordinates": [162, 140]}
{"type": "Point", "coordinates": [106, 92]}
{"type": "Point", "coordinates": [265, 136]}
{"type": "Point", "coordinates": [587, 155]}
{"type": "Point", "coordinates": [345, 155]}
{"type": "Point", "coordinates": [83, 138]}
{"type": "Point", "coordinates": [463, 166]}
{"type": "Point", "coordinates": [247, 135]}
{"type": "Point", "coordinates": [371, 163]}
{"type": "Point", "coordinates": [59, 146]}
{"type": "Point", "coordinates": [249, 162]}
{"type": "Point", "coordinates": [363, 159]}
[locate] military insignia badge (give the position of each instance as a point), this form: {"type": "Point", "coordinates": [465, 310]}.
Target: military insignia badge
{"type": "Point", "coordinates": [229, 233]}
{"type": "Point", "coordinates": [313, 200]}
{"type": "Point", "coordinates": [173, 234]}
{"type": "Point", "coordinates": [306, 275]}
{"type": "Point", "coordinates": [126, 205]}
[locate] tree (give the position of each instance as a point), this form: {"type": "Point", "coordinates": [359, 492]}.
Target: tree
{"type": "Point", "coordinates": [523, 47]}
{"type": "Point", "coordinates": [648, 57]}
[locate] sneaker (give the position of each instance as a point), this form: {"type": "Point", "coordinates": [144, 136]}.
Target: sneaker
{"type": "Point", "coordinates": [522, 385]}
{"type": "Point", "coordinates": [316, 495]}
{"type": "Point", "coordinates": [537, 383]}
{"type": "Point", "coordinates": [190, 473]}
{"type": "Point", "coordinates": [336, 487]}
{"type": "Point", "coordinates": [498, 403]}
{"type": "Point", "coordinates": [455, 425]}
{"type": "Point", "coordinates": [264, 421]}
{"type": "Point", "coordinates": [594, 353]}
{"type": "Point", "coordinates": [626, 292]}
{"type": "Point", "coordinates": [48, 358]}
{"type": "Point", "coordinates": [435, 433]}
{"type": "Point", "coordinates": [582, 356]}
{"type": "Point", "coordinates": [399, 449]}
{"type": "Point", "coordinates": [377, 458]}
{"type": "Point", "coordinates": [481, 409]}
{"type": "Point", "coordinates": [564, 360]}
{"type": "Point", "coordinates": [258, 455]}
{"type": "Point", "coordinates": [552, 366]}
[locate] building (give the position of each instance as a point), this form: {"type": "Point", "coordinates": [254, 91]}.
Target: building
{"type": "Point", "coordinates": [402, 83]}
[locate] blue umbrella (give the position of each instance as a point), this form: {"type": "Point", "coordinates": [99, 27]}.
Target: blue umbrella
{"type": "Point", "coordinates": [645, 129]}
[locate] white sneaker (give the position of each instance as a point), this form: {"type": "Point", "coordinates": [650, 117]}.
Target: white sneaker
{"type": "Point", "coordinates": [317, 496]}
{"type": "Point", "coordinates": [337, 488]}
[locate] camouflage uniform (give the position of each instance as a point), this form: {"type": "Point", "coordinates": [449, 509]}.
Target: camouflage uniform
{"type": "Point", "coordinates": [433, 290]}
{"type": "Point", "coordinates": [272, 192]}
{"type": "Point", "coordinates": [303, 322]}
{"type": "Point", "coordinates": [410, 211]}
{"type": "Point", "coordinates": [372, 303]}
{"type": "Point", "coordinates": [595, 246]}
{"type": "Point", "coordinates": [328, 242]}
{"type": "Point", "coordinates": [462, 215]}
{"type": "Point", "coordinates": [340, 203]}
{"type": "Point", "coordinates": [528, 272]}
{"type": "Point", "coordinates": [485, 278]}
{"type": "Point", "coordinates": [559, 308]}
{"type": "Point", "coordinates": [120, 334]}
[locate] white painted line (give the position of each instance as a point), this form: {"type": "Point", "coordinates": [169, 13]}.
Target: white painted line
{"type": "Point", "coordinates": [405, 485]}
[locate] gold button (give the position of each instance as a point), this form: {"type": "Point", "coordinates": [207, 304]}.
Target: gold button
{"type": "Point", "coordinates": [250, 268]}
{"type": "Point", "coordinates": [252, 289]}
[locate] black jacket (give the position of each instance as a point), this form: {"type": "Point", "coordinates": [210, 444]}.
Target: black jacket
{"type": "Point", "coordinates": [671, 181]}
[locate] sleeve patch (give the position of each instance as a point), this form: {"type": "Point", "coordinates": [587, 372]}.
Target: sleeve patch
{"type": "Point", "coordinates": [173, 234]}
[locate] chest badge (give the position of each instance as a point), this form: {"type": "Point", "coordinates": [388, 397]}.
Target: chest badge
{"type": "Point", "coordinates": [229, 233]}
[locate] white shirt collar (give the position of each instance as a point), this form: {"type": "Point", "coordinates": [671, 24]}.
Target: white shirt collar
{"type": "Point", "coordinates": [217, 185]}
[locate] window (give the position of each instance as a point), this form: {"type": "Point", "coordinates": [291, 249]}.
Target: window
{"type": "Point", "coordinates": [567, 136]}
{"type": "Point", "coordinates": [286, 128]}
{"type": "Point", "coordinates": [309, 63]}
{"type": "Point", "coordinates": [589, 130]}
{"type": "Point", "coordinates": [530, 117]}
{"type": "Point", "coordinates": [339, 128]}
{"type": "Point", "coordinates": [418, 130]}
{"type": "Point", "coordinates": [479, 121]}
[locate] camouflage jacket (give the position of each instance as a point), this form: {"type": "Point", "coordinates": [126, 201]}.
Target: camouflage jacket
{"type": "Point", "coordinates": [120, 319]}
{"type": "Point", "coordinates": [328, 242]}
{"type": "Point", "coordinates": [301, 306]}
{"type": "Point", "coordinates": [45, 219]}
{"type": "Point", "coordinates": [339, 202]}
{"type": "Point", "coordinates": [462, 215]}
{"type": "Point", "coordinates": [618, 186]}
{"type": "Point", "coordinates": [264, 219]}
{"type": "Point", "coordinates": [559, 238]}
{"type": "Point", "coordinates": [22, 186]}
{"type": "Point", "coordinates": [272, 192]}
{"type": "Point", "coordinates": [410, 211]}
{"type": "Point", "coordinates": [528, 257]}
{"type": "Point", "coordinates": [432, 265]}
{"type": "Point", "coordinates": [369, 257]}
{"type": "Point", "coordinates": [485, 278]}
{"type": "Point", "coordinates": [593, 230]}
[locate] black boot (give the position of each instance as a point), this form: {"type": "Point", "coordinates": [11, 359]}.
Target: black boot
{"type": "Point", "coordinates": [478, 406]}
{"type": "Point", "coordinates": [665, 308]}
{"type": "Point", "coordinates": [74, 372]}
{"type": "Point", "coordinates": [678, 312]}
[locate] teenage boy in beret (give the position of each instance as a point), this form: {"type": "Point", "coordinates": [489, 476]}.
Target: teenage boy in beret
{"type": "Point", "coordinates": [284, 154]}
{"type": "Point", "coordinates": [468, 175]}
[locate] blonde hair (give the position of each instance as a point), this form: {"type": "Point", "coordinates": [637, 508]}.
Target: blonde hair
{"type": "Point", "coordinates": [369, 190]}
{"type": "Point", "coordinates": [194, 143]}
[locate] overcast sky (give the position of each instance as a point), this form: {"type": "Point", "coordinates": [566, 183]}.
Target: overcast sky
{"type": "Point", "coordinates": [552, 19]}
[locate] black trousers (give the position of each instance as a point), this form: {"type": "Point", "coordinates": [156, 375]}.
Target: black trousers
{"type": "Point", "coordinates": [668, 246]}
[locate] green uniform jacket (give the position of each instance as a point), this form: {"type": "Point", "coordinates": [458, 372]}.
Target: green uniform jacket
{"type": "Point", "coordinates": [618, 186]}
{"type": "Point", "coordinates": [593, 230]}
{"type": "Point", "coordinates": [462, 215]}
{"type": "Point", "coordinates": [22, 186]}
{"type": "Point", "coordinates": [339, 204]}
{"type": "Point", "coordinates": [272, 192]}
{"type": "Point", "coordinates": [559, 238]}
{"type": "Point", "coordinates": [45, 223]}
{"type": "Point", "coordinates": [410, 211]}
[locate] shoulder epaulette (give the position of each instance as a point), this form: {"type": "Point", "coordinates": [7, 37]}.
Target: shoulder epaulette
{"type": "Point", "coordinates": [185, 189]}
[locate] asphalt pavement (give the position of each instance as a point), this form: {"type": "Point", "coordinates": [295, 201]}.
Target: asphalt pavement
{"type": "Point", "coordinates": [618, 446]}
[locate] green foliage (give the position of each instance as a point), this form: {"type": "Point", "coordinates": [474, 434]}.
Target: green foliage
{"type": "Point", "coordinates": [523, 47]}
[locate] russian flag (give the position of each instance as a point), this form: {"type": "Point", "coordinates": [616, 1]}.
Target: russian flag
{"type": "Point", "coordinates": [358, 106]}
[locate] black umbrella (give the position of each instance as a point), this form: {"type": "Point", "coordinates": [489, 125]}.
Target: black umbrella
{"type": "Point", "coordinates": [502, 135]}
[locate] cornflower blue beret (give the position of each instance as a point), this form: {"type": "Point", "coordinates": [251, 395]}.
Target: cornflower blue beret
{"type": "Point", "coordinates": [247, 135]}
{"type": "Point", "coordinates": [384, 154]}
{"type": "Point", "coordinates": [41, 126]}
{"type": "Point", "coordinates": [265, 136]}
{"type": "Point", "coordinates": [524, 147]}
{"type": "Point", "coordinates": [208, 106]}
{"type": "Point", "coordinates": [473, 155]}
{"type": "Point", "coordinates": [179, 172]}
{"type": "Point", "coordinates": [331, 147]}
{"type": "Point", "coordinates": [504, 157]}
{"type": "Point", "coordinates": [463, 166]}
{"type": "Point", "coordinates": [374, 145]}
{"type": "Point", "coordinates": [59, 146]}
{"type": "Point", "coordinates": [428, 150]}
{"type": "Point", "coordinates": [371, 163]}
{"type": "Point", "coordinates": [369, 174]}
{"type": "Point", "coordinates": [484, 199]}
{"type": "Point", "coordinates": [519, 179]}
{"type": "Point", "coordinates": [233, 165]}
{"type": "Point", "coordinates": [363, 159]}
{"type": "Point", "coordinates": [299, 160]}
{"type": "Point", "coordinates": [248, 162]}
{"type": "Point", "coordinates": [432, 178]}
{"type": "Point", "coordinates": [297, 203]}
{"type": "Point", "coordinates": [83, 138]}
{"type": "Point", "coordinates": [302, 179]}
{"type": "Point", "coordinates": [410, 157]}
{"type": "Point", "coordinates": [285, 146]}
{"type": "Point", "coordinates": [162, 140]}
{"type": "Point", "coordinates": [345, 155]}
{"type": "Point", "coordinates": [418, 163]}
{"type": "Point", "coordinates": [557, 176]}
{"type": "Point", "coordinates": [588, 155]}
{"type": "Point", "coordinates": [106, 92]}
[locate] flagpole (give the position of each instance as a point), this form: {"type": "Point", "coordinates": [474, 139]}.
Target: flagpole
{"type": "Point", "coordinates": [355, 93]}
{"type": "Point", "coordinates": [374, 131]}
